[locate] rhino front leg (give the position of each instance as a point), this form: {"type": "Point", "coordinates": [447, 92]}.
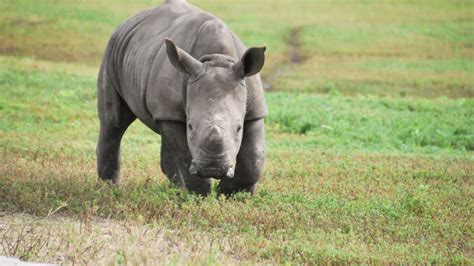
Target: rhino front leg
{"type": "Point", "coordinates": [176, 158]}
{"type": "Point", "coordinates": [250, 160]}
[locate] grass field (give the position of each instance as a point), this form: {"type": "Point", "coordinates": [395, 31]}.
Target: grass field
{"type": "Point", "coordinates": [370, 140]}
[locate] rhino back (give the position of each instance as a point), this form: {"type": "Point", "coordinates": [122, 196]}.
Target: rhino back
{"type": "Point", "coordinates": [147, 81]}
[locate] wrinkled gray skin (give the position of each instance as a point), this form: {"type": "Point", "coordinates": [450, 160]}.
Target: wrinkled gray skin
{"type": "Point", "coordinates": [186, 76]}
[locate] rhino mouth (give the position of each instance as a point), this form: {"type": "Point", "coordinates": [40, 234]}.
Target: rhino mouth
{"type": "Point", "coordinates": [221, 171]}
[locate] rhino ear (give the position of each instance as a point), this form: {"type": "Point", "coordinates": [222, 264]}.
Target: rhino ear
{"type": "Point", "coordinates": [183, 61]}
{"type": "Point", "coordinates": [251, 62]}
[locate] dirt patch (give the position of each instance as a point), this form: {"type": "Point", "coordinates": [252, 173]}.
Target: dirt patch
{"type": "Point", "coordinates": [17, 262]}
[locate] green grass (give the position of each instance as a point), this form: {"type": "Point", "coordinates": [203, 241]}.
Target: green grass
{"type": "Point", "coordinates": [374, 124]}
{"type": "Point", "coordinates": [63, 103]}
{"type": "Point", "coordinates": [370, 140]}
{"type": "Point", "coordinates": [347, 179]}
{"type": "Point", "coordinates": [358, 47]}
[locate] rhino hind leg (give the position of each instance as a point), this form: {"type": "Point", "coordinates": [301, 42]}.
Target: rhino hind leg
{"type": "Point", "coordinates": [115, 117]}
{"type": "Point", "coordinates": [176, 158]}
{"type": "Point", "coordinates": [108, 152]}
{"type": "Point", "coordinates": [250, 161]}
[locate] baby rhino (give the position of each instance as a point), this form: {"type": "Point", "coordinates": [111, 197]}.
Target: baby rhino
{"type": "Point", "coordinates": [185, 75]}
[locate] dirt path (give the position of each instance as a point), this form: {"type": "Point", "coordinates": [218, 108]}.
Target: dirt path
{"type": "Point", "coordinates": [294, 44]}
{"type": "Point", "coordinates": [64, 240]}
{"type": "Point", "coordinates": [294, 57]}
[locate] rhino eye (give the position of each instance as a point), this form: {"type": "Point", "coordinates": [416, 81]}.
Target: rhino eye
{"type": "Point", "coordinates": [190, 127]}
{"type": "Point", "coordinates": [239, 128]}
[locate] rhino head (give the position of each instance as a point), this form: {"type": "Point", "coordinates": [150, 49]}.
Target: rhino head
{"type": "Point", "coordinates": [215, 105]}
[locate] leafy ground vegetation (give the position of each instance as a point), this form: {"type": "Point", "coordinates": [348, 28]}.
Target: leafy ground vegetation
{"type": "Point", "coordinates": [370, 140]}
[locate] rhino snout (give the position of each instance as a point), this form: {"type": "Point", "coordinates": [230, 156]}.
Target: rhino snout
{"type": "Point", "coordinates": [213, 170]}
